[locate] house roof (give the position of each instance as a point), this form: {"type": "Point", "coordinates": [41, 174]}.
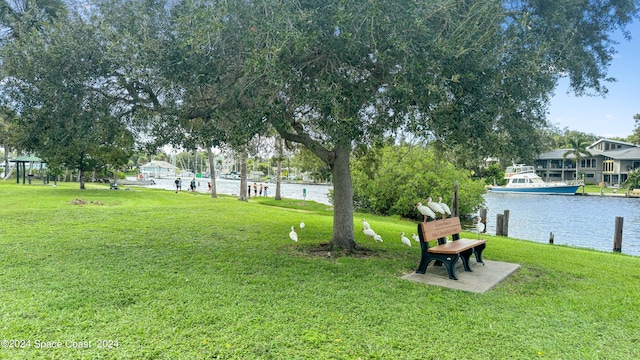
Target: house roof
{"type": "Point", "coordinates": [629, 152]}
{"type": "Point", "coordinates": [555, 154]}
{"type": "Point", "coordinates": [620, 154]}
{"type": "Point", "coordinates": [611, 141]}
{"type": "Point", "coordinates": [158, 163]}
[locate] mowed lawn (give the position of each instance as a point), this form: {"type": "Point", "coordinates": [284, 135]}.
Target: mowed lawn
{"type": "Point", "coordinates": [150, 274]}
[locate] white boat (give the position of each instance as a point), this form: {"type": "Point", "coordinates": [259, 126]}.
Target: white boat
{"type": "Point", "coordinates": [523, 179]}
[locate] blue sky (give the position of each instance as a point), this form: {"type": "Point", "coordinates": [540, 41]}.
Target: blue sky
{"type": "Point", "coordinates": [610, 116]}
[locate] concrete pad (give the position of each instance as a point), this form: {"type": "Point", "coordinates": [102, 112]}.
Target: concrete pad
{"type": "Point", "coordinates": [481, 279]}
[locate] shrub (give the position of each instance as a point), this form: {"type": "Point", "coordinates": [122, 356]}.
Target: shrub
{"type": "Point", "coordinates": [633, 180]}
{"type": "Point", "coordinates": [392, 179]}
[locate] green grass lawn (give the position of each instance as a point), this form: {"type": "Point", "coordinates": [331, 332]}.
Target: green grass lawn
{"type": "Point", "coordinates": [595, 189]}
{"type": "Point", "coordinates": [184, 276]}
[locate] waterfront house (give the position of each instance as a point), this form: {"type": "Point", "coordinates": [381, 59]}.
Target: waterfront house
{"type": "Point", "coordinates": [608, 165]}
{"type": "Point", "coordinates": [158, 169]}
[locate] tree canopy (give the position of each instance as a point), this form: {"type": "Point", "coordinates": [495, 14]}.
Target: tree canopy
{"type": "Point", "coordinates": [635, 137]}
{"type": "Point", "coordinates": [19, 17]}
{"type": "Point", "coordinates": [57, 84]}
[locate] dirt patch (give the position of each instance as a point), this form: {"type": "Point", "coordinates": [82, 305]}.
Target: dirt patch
{"type": "Point", "coordinates": [327, 250]}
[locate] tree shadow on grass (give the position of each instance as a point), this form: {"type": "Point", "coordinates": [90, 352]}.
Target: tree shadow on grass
{"type": "Point", "coordinates": [328, 250]}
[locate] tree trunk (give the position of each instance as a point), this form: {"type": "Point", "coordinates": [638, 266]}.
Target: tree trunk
{"type": "Point", "coordinates": [279, 168]}
{"type": "Point", "coordinates": [6, 159]}
{"type": "Point", "coordinates": [81, 178]}
{"type": "Point", "coordinates": [212, 168]}
{"type": "Point", "coordinates": [243, 176]}
{"type": "Point", "coordinates": [343, 236]}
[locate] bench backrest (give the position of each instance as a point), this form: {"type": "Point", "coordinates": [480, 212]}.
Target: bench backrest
{"type": "Point", "coordinates": [439, 228]}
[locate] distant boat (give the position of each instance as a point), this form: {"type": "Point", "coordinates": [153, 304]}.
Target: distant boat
{"type": "Point", "coordinates": [134, 182]}
{"type": "Point", "coordinates": [231, 176]}
{"type": "Point", "coordinates": [523, 179]}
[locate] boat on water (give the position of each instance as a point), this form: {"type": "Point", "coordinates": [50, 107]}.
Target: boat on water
{"type": "Point", "coordinates": [523, 179]}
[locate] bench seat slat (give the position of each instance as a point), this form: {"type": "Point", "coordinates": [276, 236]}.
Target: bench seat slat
{"type": "Point", "coordinates": [454, 247]}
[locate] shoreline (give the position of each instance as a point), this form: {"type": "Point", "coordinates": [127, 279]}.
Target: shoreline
{"type": "Point", "coordinates": [620, 195]}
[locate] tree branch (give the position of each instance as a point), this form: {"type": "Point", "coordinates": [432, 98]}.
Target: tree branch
{"type": "Point", "coordinates": [314, 146]}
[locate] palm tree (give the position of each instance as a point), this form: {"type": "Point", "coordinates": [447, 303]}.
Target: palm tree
{"type": "Point", "coordinates": [632, 181]}
{"type": "Point", "coordinates": [578, 148]}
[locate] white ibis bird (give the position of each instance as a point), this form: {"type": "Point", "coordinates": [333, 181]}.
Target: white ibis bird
{"type": "Point", "coordinates": [377, 238]}
{"type": "Point", "coordinates": [302, 225]}
{"type": "Point", "coordinates": [369, 232]}
{"type": "Point", "coordinates": [415, 237]}
{"type": "Point", "coordinates": [444, 206]}
{"type": "Point", "coordinates": [425, 211]}
{"type": "Point", "coordinates": [293, 235]}
{"type": "Point", "coordinates": [365, 224]}
{"type": "Point", "coordinates": [479, 225]}
{"type": "Point", "coordinates": [434, 206]}
{"type": "Point", "coordinates": [405, 240]}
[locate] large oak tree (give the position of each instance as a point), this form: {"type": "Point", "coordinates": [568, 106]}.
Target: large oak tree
{"type": "Point", "coordinates": [475, 76]}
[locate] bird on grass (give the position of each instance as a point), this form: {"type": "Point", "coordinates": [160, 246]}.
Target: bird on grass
{"type": "Point", "coordinates": [302, 225]}
{"type": "Point", "coordinates": [444, 206]}
{"type": "Point", "coordinates": [369, 232]}
{"type": "Point", "coordinates": [405, 240]}
{"type": "Point", "coordinates": [479, 225]}
{"type": "Point", "coordinates": [365, 224]}
{"type": "Point", "coordinates": [434, 206]}
{"type": "Point", "coordinates": [293, 235]}
{"type": "Point", "coordinates": [425, 211]}
{"type": "Point", "coordinates": [415, 237]}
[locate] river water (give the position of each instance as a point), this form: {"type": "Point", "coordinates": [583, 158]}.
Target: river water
{"type": "Point", "coordinates": [318, 193]}
{"type": "Point", "coordinates": [580, 221]}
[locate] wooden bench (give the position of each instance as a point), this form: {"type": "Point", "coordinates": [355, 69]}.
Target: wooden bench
{"type": "Point", "coordinates": [445, 252]}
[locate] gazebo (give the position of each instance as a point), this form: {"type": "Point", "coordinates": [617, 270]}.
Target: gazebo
{"type": "Point", "coordinates": [22, 161]}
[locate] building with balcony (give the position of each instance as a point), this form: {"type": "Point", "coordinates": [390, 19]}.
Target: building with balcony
{"type": "Point", "coordinates": [609, 164]}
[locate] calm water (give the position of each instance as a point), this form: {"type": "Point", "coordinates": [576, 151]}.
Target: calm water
{"type": "Point", "coordinates": [232, 187]}
{"type": "Point", "coordinates": [581, 221]}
